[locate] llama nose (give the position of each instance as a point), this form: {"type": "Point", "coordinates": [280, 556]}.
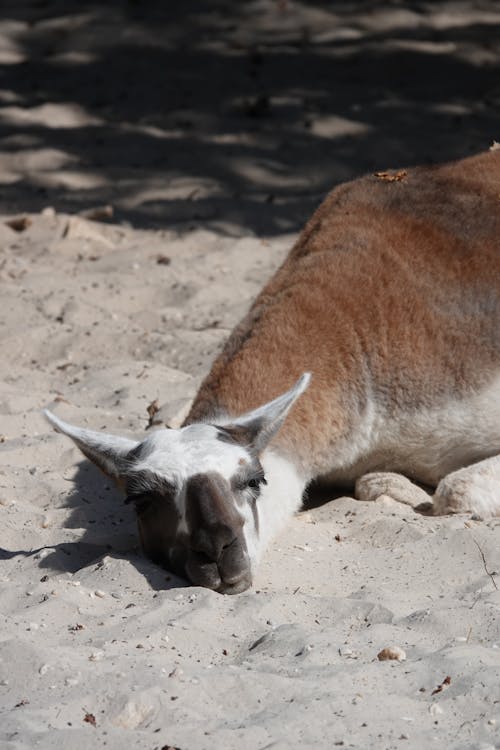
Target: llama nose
{"type": "Point", "coordinates": [212, 540]}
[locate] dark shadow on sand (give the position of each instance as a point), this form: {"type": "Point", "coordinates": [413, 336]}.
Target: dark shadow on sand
{"type": "Point", "coordinates": [235, 114]}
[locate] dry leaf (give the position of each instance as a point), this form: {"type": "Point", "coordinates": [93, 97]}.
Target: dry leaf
{"type": "Point", "coordinates": [163, 260]}
{"type": "Point", "coordinates": [90, 719]}
{"type": "Point", "coordinates": [152, 410]}
{"type": "Point", "coordinates": [98, 213]}
{"type": "Point", "coordinates": [392, 653]}
{"type": "Point", "coordinates": [19, 223]}
{"type": "Point", "coordinates": [445, 683]}
{"type": "Point", "coordinates": [392, 176]}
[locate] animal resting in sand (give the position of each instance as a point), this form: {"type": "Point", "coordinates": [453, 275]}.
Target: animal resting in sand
{"type": "Point", "coordinates": [371, 357]}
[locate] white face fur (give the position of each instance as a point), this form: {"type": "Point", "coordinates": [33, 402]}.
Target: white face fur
{"type": "Point", "coordinates": [196, 490]}
{"type": "Point", "coordinates": [178, 455]}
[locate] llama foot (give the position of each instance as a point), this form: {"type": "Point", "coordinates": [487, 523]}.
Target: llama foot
{"type": "Point", "coordinates": [474, 489]}
{"type": "Point", "coordinates": [398, 487]}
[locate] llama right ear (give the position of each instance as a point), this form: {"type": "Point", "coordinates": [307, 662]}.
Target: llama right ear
{"type": "Point", "coordinates": [258, 427]}
{"type": "Point", "coordinates": [108, 452]}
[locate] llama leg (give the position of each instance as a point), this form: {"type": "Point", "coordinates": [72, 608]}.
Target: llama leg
{"type": "Point", "coordinates": [473, 489]}
{"type": "Point", "coordinates": [399, 488]}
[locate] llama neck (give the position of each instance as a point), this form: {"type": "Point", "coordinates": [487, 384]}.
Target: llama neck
{"type": "Point", "coordinates": [280, 498]}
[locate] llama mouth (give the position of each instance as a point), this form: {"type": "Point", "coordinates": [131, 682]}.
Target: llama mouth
{"type": "Point", "coordinates": [211, 576]}
{"type": "Point", "coordinates": [235, 588]}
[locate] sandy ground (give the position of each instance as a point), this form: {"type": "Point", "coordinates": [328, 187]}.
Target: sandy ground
{"type": "Point", "coordinates": [209, 178]}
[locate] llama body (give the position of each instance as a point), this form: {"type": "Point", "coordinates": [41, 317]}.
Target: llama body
{"type": "Point", "coordinates": [391, 299]}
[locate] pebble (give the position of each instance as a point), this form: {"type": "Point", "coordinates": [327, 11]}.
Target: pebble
{"type": "Point", "coordinates": [43, 554]}
{"type": "Point", "coordinates": [435, 709]}
{"type": "Point", "coordinates": [44, 669]}
{"type": "Point", "coordinates": [391, 653]}
{"type": "Point", "coordinates": [100, 594]}
{"type": "Point", "coordinates": [96, 656]}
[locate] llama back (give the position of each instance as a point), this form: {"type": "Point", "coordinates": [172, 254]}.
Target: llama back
{"type": "Point", "coordinates": [389, 297]}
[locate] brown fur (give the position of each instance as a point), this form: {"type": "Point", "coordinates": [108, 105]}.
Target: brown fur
{"type": "Point", "coordinates": [392, 289]}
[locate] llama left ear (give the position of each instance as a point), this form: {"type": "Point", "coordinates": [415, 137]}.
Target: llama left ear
{"type": "Point", "coordinates": [109, 452]}
{"type": "Point", "coordinates": [256, 428]}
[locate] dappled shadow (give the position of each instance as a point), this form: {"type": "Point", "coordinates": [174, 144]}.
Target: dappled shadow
{"type": "Point", "coordinates": [108, 529]}
{"type": "Point", "coordinates": [234, 114]}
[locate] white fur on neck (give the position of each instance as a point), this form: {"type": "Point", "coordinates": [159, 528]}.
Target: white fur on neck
{"type": "Point", "coordinates": [280, 498]}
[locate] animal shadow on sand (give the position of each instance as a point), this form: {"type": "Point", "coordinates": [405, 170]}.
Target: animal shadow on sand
{"type": "Point", "coordinates": [109, 530]}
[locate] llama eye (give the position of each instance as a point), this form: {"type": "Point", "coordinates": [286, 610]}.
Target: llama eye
{"type": "Point", "coordinates": [255, 482]}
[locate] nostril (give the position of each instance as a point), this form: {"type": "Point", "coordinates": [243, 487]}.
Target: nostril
{"type": "Point", "coordinates": [211, 543]}
{"type": "Point", "coordinates": [228, 544]}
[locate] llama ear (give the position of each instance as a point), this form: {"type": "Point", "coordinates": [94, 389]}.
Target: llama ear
{"type": "Point", "coordinates": [256, 428]}
{"type": "Point", "coordinates": [108, 452]}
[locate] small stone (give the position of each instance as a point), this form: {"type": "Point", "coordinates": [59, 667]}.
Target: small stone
{"type": "Point", "coordinates": [392, 653]}
{"type": "Point", "coordinates": [43, 554]}
{"type": "Point", "coordinates": [44, 669]}
{"type": "Point", "coordinates": [100, 594]}
{"type": "Point", "coordinates": [435, 709]}
{"type": "Point", "coordinates": [96, 656]}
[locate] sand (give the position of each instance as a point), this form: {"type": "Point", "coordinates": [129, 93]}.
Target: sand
{"type": "Point", "coordinates": [98, 646]}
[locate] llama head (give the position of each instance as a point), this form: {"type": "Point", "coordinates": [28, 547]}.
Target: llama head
{"type": "Point", "coordinates": [195, 490]}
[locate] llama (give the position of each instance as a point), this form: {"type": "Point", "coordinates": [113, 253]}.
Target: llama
{"type": "Point", "coordinates": [386, 316]}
